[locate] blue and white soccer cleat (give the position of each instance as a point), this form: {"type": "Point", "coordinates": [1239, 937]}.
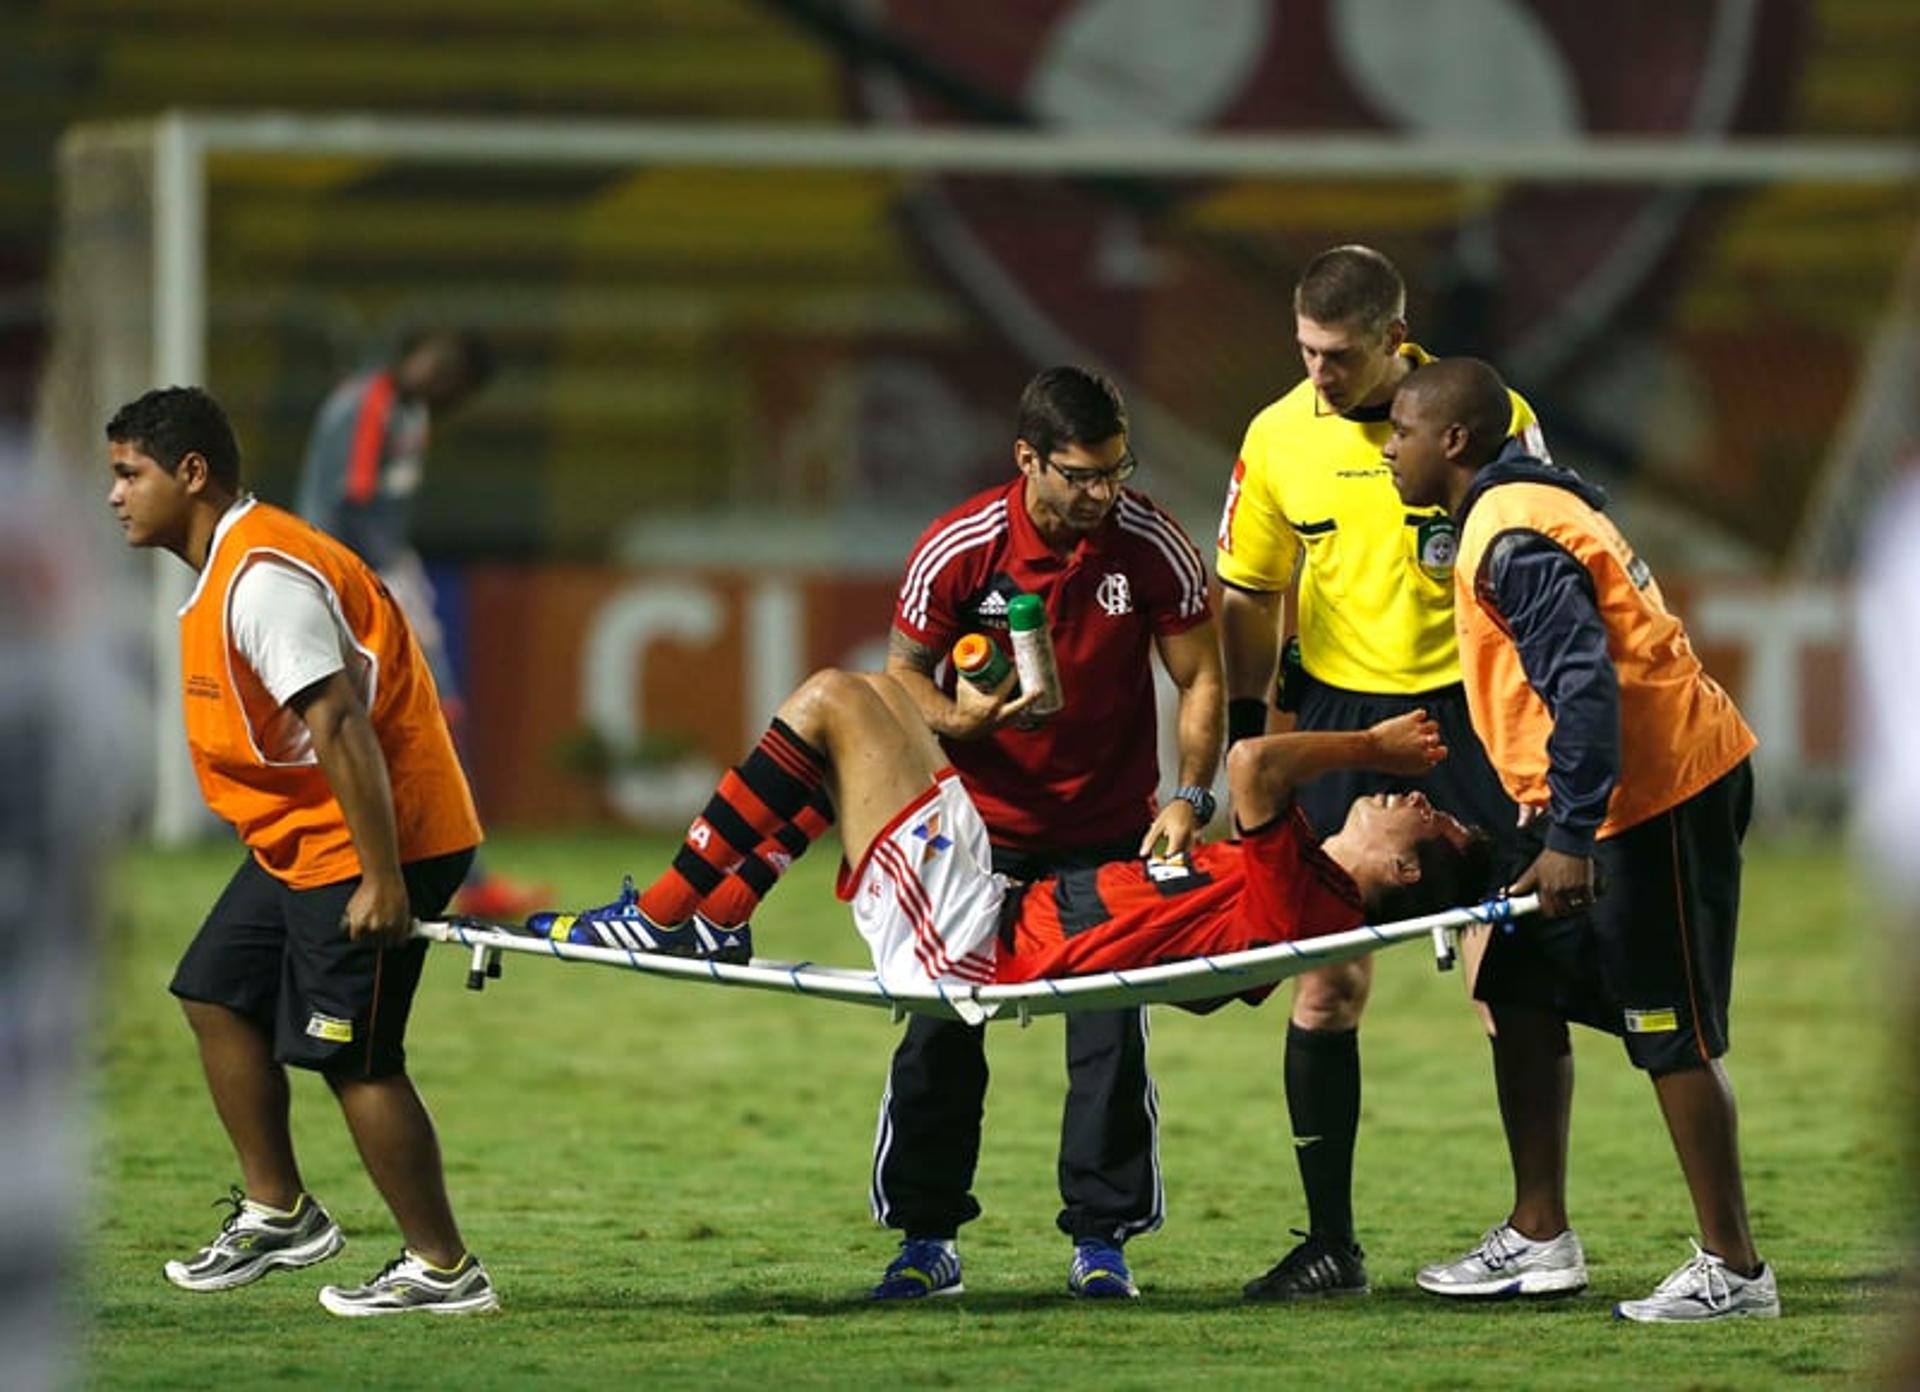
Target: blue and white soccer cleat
{"type": "Point", "coordinates": [734, 945]}
{"type": "Point", "coordinates": [1099, 1272]}
{"type": "Point", "coordinates": [623, 926]}
{"type": "Point", "coordinates": [926, 1266]}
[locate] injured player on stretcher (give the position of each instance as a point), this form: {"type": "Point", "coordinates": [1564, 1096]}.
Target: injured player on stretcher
{"type": "Point", "coordinates": [852, 747]}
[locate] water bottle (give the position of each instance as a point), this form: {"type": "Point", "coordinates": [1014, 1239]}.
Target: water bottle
{"type": "Point", "coordinates": [1033, 653]}
{"type": "Point", "coordinates": [979, 659]}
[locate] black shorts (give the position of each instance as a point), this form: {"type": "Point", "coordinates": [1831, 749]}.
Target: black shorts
{"type": "Point", "coordinates": [1463, 783]}
{"type": "Point", "coordinates": [1652, 961]}
{"type": "Point", "coordinates": [278, 956]}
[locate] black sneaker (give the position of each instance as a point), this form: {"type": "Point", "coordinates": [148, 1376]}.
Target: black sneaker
{"type": "Point", "coordinates": [253, 1241]}
{"type": "Point", "coordinates": [1314, 1268]}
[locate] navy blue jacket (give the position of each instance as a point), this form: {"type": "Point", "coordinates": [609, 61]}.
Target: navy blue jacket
{"type": "Point", "coordinates": [1545, 600]}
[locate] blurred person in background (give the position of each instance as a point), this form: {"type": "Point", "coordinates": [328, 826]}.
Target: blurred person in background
{"type": "Point", "coordinates": [316, 732]}
{"type": "Point", "coordinates": [1886, 762]}
{"type": "Point", "coordinates": [365, 460]}
{"type": "Point", "coordinates": [1311, 510]}
{"type": "Point", "coordinates": [1120, 581]}
{"type": "Point", "coordinates": [65, 744]}
{"type": "Point", "coordinates": [1592, 705]}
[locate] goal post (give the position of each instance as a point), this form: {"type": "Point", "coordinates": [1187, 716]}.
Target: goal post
{"type": "Point", "coordinates": [710, 242]}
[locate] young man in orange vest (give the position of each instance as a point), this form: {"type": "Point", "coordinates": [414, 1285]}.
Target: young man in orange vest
{"type": "Point", "coordinates": [1598, 718]}
{"type": "Point", "coordinates": [316, 732]}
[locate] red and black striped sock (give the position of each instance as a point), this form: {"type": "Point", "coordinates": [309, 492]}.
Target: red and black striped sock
{"type": "Point", "coordinates": [764, 793]}
{"type": "Point", "coordinates": [740, 893]}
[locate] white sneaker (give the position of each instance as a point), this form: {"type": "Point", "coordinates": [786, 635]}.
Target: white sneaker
{"type": "Point", "coordinates": [1705, 1289]}
{"type": "Point", "coordinates": [407, 1284]}
{"type": "Point", "coordinates": [1506, 1264]}
{"type": "Point", "coordinates": [254, 1240]}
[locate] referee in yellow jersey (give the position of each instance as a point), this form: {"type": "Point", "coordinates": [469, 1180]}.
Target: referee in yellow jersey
{"type": "Point", "coordinates": [1312, 506]}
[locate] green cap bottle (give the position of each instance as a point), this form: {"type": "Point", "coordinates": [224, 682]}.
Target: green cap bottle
{"type": "Point", "coordinates": [979, 659]}
{"type": "Point", "coordinates": [1033, 656]}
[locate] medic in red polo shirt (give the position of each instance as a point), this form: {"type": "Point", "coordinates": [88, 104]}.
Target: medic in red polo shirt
{"type": "Point", "coordinates": [1090, 773]}
{"type": "Point", "coordinates": [1120, 581]}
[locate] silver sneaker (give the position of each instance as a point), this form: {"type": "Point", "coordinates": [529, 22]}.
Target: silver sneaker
{"type": "Point", "coordinates": [253, 1240]}
{"type": "Point", "coordinates": [406, 1285]}
{"type": "Point", "coordinates": [1506, 1264]}
{"type": "Point", "coordinates": [1705, 1289]}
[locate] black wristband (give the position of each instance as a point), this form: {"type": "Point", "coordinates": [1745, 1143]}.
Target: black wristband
{"type": "Point", "coordinates": [1246, 716]}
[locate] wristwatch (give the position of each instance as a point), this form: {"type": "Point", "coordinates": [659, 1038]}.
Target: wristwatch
{"type": "Point", "coordinates": [1200, 798]}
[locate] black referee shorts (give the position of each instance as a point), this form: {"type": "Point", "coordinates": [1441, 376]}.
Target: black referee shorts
{"type": "Point", "coordinates": [279, 957]}
{"type": "Point", "coordinates": [1463, 783]}
{"type": "Point", "coordinates": [1652, 961]}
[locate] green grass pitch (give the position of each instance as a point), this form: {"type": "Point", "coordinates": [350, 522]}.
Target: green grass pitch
{"type": "Point", "coordinates": [669, 1181]}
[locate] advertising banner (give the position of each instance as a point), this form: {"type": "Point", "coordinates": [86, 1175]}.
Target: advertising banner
{"type": "Point", "coordinates": [600, 695]}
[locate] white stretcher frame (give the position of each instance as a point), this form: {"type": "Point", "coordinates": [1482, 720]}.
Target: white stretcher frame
{"type": "Point", "coordinates": [1198, 978]}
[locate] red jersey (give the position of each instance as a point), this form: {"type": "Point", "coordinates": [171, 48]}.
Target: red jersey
{"type": "Point", "coordinates": [1089, 774]}
{"type": "Point", "coordinates": [1275, 885]}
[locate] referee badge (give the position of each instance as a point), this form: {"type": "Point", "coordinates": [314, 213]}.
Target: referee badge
{"type": "Point", "coordinates": [1436, 543]}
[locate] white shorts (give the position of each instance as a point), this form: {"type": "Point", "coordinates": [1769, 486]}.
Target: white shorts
{"type": "Point", "coordinates": [925, 896]}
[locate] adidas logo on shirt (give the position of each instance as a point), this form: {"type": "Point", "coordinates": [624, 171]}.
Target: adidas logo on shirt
{"type": "Point", "coordinates": [991, 610]}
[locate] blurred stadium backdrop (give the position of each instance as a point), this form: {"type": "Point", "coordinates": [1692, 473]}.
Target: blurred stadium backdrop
{"type": "Point", "coordinates": [765, 280]}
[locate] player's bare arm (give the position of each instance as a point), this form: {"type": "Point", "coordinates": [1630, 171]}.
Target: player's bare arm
{"type": "Point", "coordinates": [1192, 662]}
{"type": "Point", "coordinates": [1273, 768]}
{"type": "Point", "coordinates": [973, 715]}
{"type": "Point", "coordinates": [350, 755]}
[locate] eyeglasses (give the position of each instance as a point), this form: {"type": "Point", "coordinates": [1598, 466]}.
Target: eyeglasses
{"type": "Point", "coordinates": [1083, 479]}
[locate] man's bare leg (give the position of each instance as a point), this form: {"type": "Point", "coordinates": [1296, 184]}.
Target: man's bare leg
{"type": "Point", "coordinates": [1533, 1076]}
{"type": "Point", "coordinates": [880, 754]}
{"type": "Point", "coordinates": [398, 1146]}
{"type": "Point", "coordinates": [250, 1094]}
{"type": "Point", "coordinates": [1704, 1124]}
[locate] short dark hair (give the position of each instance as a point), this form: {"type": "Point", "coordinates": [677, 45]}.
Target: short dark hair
{"type": "Point", "coordinates": [1069, 406]}
{"type": "Point", "coordinates": [170, 423]}
{"type": "Point", "coordinates": [1450, 876]}
{"type": "Point", "coordinates": [1351, 285]}
{"type": "Point", "coordinates": [475, 354]}
{"type": "Point", "coordinates": [1467, 392]}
